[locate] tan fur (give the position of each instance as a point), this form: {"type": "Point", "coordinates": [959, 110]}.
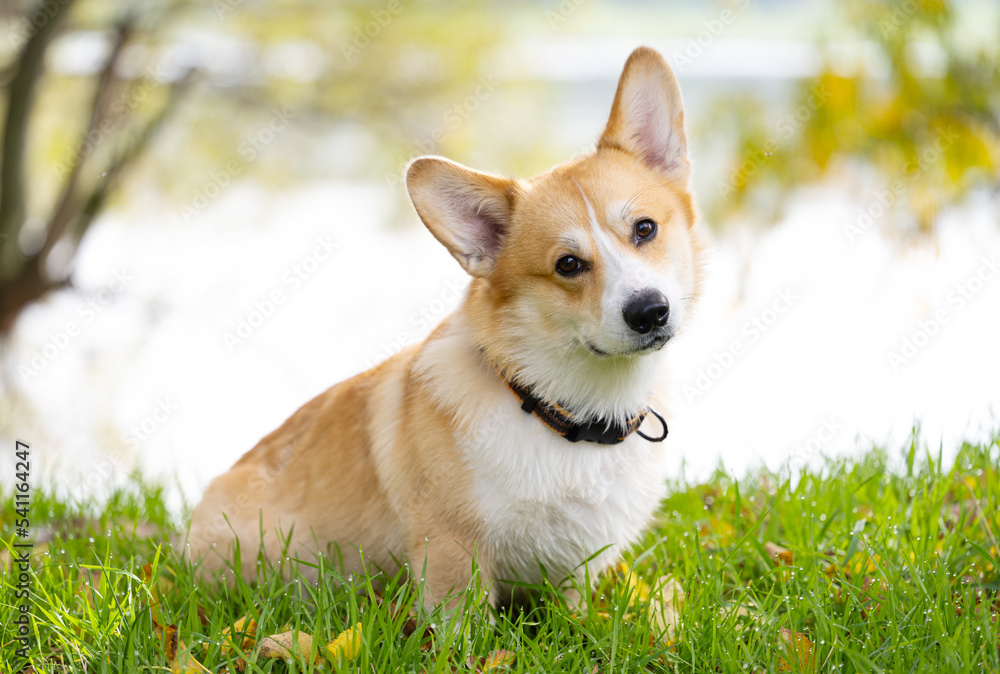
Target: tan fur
{"type": "Point", "coordinates": [381, 460]}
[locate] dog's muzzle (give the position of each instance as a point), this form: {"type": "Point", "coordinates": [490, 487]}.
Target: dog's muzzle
{"type": "Point", "coordinates": [646, 311]}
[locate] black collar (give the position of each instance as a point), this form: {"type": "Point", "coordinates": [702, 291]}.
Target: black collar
{"type": "Point", "coordinates": [556, 417]}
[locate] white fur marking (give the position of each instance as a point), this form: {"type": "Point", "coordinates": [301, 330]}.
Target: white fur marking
{"type": "Point", "coordinates": [541, 498]}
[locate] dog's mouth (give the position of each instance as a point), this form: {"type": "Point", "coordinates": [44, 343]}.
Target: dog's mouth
{"type": "Point", "coordinates": [651, 342]}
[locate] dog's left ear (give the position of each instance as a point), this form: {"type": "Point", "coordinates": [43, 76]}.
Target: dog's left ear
{"type": "Point", "coordinates": [647, 117]}
{"type": "Point", "coordinates": [467, 211]}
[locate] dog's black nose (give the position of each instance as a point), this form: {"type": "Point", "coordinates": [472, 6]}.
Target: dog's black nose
{"type": "Point", "coordinates": [647, 310]}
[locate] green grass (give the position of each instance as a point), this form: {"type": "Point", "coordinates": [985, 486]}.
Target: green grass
{"type": "Point", "coordinates": [893, 569]}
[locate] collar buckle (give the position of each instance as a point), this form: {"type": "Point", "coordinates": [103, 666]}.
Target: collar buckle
{"type": "Point", "coordinates": [600, 432]}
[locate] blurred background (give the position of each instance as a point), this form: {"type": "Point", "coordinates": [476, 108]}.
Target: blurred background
{"type": "Point", "coordinates": [203, 225]}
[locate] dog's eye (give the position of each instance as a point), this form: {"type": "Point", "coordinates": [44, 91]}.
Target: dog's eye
{"type": "Point", "coordinates": [645, 229]}
{"type": "Point", "coordinates": [568, 265]}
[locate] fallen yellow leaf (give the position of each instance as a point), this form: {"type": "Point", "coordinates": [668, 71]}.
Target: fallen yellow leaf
{"type": "Point", "coordinates": [346, 645]}
{"type": "Point", "coordinates": [496, 659]}
{"type": "Point", "coordinates": [865, 564]}
{"type": "Point", "coordinates": [285, 645]}
{"type": "Point", "coordinates": [244, 630]}
{"type": "Point", "coordinates": [638, 590]}
{"type": "Point", "coordinates": [185, 662]}
{"type": "Point", "coordinates": [665, 607]}
{"type": "Point", "coordinates": [90, 586]}
{"type": "Point", "coordinates": [778, 554]}
{"type": "Point", "coordinates": [162, 584]}
{"type": "Point", "coordinates": [798, 648]}
{"type": "Point", "coordinates": [178, 654]}
{"type": "Point", "coordinates": [168, 637]}
{"type": "Point", "coordinates": [717, 531]}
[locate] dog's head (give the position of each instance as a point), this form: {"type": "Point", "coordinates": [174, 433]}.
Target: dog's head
{"type": "Point", "coordinates": [583, 272]}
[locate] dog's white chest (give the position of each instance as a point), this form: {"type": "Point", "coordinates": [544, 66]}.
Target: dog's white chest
{"type": "Point", "coordinates": [543, 501]}
{"type": "Point", "coordinates": [546, 501]}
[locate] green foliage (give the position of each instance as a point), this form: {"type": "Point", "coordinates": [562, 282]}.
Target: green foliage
{"type": "Point", "coordinates": [929, 124]}
{"type": "Point", "coordinates": [884, 565]}
{"type": "Point", "coordinates": [357, 64]}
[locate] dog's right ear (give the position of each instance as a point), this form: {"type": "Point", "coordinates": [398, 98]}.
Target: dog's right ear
{"type": "Point", "coordinates": [647, 116]}
{"type": "Point", "coordinates": [467, 211]}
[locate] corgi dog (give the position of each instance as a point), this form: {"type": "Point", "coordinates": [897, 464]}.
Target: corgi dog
{"type": "Point", "coordinates": [525, 433]}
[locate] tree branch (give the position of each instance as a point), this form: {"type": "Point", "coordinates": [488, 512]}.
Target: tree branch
{"type": "Point", "coordinates": [68, 204]}
{"type": "Point", "coordinates": [95, 201]}
{"type": "Point", "coordinates": [19, 101]}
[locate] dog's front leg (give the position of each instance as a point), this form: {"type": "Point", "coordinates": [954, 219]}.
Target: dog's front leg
{"type": "Point", "coordinates": [447, 563]}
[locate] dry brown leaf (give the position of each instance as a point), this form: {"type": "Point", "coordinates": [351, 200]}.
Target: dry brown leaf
{"type": "Point", "coordinates": [495, 660]}
{"type": "Point", "coordinates": [871, 597]}
{"type": "Point", "coordinates": [203, 616]}
{"type": "Point", "coordinates": [410, 625]}
{"type": "Point", "coordinates": [426, 635]}
{"type": "Point", "coordinates": [778, 554]}
{"type": "Point", "coordinates": [181, 660]}
{"type": "Point", "coordinates": [154, 588]}
{"type": "Point", "coordinates": [665, 607]}
{"type": "Point", "coordinates": [717, 532]}
{"type": "Point", "coordinates": [185, 662]}
{"type": "Point", "coordinates": [738, 611]}
{"type": "Point", "coordinates": [169, 639]}
{"type": "Point", "coordinates": [801, 655]}
{"type": "Point", "coordinates": [90, 585]}
{"type": "Point", "coordinates": [162, 581]}
{"type": "Point", "coordinates": [287, 644]}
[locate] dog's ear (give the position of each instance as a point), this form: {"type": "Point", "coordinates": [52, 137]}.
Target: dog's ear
{"type": "Point", "coordinates": [467, 211]}
{"type": "Point", "coordinates": [647, 117]}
